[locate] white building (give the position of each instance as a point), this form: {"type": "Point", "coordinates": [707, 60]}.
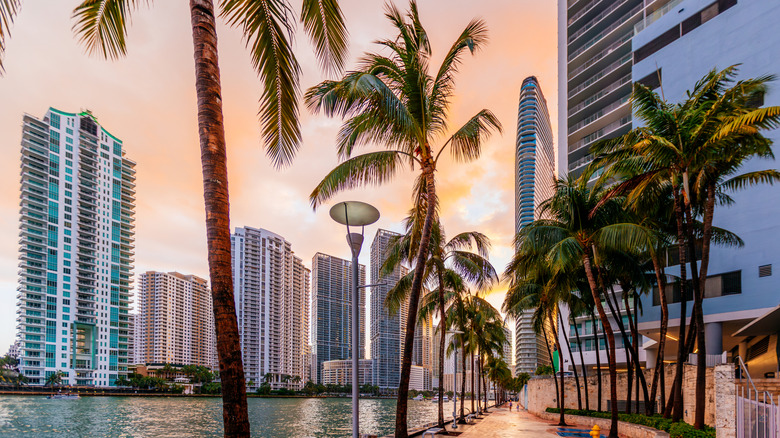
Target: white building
{"type": "Point", "coordinates": [339, 372]}
{"type": "Point", "coordinates": [420, 378]}
{"type": "Point", "coordinates": [271, 287]}
{"type": "Point", "coordinates": [175, 321]}
{"type": "Point", "coordinates": [76, 250]}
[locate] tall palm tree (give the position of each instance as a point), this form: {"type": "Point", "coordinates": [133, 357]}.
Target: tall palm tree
{"type": "Point", "coordinates": [396, 102]}
{"type": "Point", "coordinates": [451, 265]}
{"type": "Point", "coordinates": [268, 27]}
{"type": "Point", "coordinates": [698, 145]}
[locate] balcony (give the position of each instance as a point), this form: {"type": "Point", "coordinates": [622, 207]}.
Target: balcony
{"type": "Point", "coordinates": [625, 60]}
{"type": "Point", "coordinates": [601, 133]}
{"type": "Point", "coordinates": [598, 114]}
{"type": "Point", "coordinates": [609, 29]}
{"type": "Point", "coordinates": [589, 25]}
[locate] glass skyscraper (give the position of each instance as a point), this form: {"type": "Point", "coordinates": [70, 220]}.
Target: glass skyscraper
{"type": "Point", "coordinates": [331, 322]}
{"type": "Point", "coordinates": [76, 250]}
{"type": "Point", "coordinates": [534, 180]}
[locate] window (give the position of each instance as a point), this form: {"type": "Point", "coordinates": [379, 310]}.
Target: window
{"type": "Point", "coordinates": [652, 81]}
{"type": "Point", "coordinates": [765, 271]}
{"type": "Point", "coordinates": [54, 120]}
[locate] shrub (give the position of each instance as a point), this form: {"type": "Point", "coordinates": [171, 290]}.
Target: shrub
{"type": "Point", "coordinates": [657, 421]}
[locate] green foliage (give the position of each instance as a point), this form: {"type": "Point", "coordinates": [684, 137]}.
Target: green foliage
{"type": "Point", "coordinates": [264, 389]}
{"type": "Point", "coordinates": [544, 370]}
{"type": "Point", "coordinates": [675, 429]}
{"type": "Point", "coordinates": [211, 388]}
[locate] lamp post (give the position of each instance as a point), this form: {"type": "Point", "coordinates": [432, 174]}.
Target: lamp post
{"type": "Point", "coordinates": [455, 382]}
{"type": "Point", "coordinates": [356, 214]}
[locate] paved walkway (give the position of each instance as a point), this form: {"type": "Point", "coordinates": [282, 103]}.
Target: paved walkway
{"type": "Point", "coordinates": [501, 423]}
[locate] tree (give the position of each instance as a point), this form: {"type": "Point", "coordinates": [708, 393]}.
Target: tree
{"type": "Point", "coordinates": [101, 25]}
{"type": "Point", "coordinates": [394, 101]}
{"type": "Point", "coordinates": [698, 147]}
{"type": "Point", "coordinates": [55, 379]}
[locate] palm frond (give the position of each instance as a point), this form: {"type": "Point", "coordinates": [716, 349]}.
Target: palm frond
{"type": "Point", "coordinates": [268, 29]}
{"type": "Point", "coordinates": [741, 182]}
{"type": "Point", "coordinates": [372, 168]}
{"type": "Point", "coordinates": [324, 23]}
{"type": "Point", "coordinates": [8, 10]}
{"type": "Point", "coordinates": [466, 143]}
{"type": "Point", "coordinates": [101, 25]}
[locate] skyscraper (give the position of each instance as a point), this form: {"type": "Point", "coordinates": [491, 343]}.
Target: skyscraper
{"type": "Point", "coordinates": [534, 183]}
{"type": "Point", "coordinates": [331, 324]}
{"type": "Point", "coordinates": [76, 254]}
{"type": "Point", "coordinates": [387, 331]}
{"type": "Point", "coordinates": [422, 353]}
{"type": "Point", "coordinates": [594, 75]}
{"type": "Point", "coordinates": [271, 288]}
{"type": "Point", "coordinates": [175, 321]}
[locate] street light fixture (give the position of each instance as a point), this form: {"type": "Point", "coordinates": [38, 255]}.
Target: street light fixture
{"type": "Point", "coordinates": [455, 383]}
{"type": "Point", "coordinates": [356, 214]}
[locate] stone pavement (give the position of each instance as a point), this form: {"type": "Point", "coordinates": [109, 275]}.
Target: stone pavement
{"type": "Point", "coordinates": [501, 423]}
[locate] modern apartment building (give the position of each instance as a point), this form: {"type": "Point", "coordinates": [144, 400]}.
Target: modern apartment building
{"type": "Point", "coordinates": [676, 45]}
{"type": "Point", "coordinates": [76, 250]}
{"type": "Point", "coordinates": [387, 331]}
{"type": "Point", "coordinates": [331, 323]}
{"type": "Point", "coordinates": [534, 183]}
{"type": "Point", "coordinates": [175, 321]}
{"type": "Point", "coordinates": [271, 287]}
{"type": "Point", "coordinates": [594, 75]}
{"type": "Point", "coordinates": [422, 353]}
{"type": "Point", "coordinates": [339, 372]}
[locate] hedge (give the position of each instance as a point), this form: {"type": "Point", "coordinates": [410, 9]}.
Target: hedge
{"type": "Point", "coordinates": [676, 430]}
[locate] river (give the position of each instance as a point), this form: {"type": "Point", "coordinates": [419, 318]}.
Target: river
{"type": "Point", "coordinates": [94, 417]}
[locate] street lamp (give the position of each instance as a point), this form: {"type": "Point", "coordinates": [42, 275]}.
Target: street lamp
{"type": "Point", "coordinates": [356, 214]}
{"type": "Point", "coordinates": [455, 382]}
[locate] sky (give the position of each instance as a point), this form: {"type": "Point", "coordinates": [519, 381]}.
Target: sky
{"type": "Point", "coordinates": [147, 99]}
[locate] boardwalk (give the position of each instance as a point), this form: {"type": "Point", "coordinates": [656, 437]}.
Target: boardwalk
{"type": "Point", "coordinates": [504, 424]}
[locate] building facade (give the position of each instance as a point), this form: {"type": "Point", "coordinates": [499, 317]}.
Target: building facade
{"type": "Point", "coordinates": [676, 45]}
{"type": "Point", "coordinates": [339, 372]}
{"type": "Point", "coordinates": [331, 324]}
{"type": "Point", "coordinates": [534, 183]}
{"type": "Point", "coordinates": [77, 233]}
{"type": "Point", "coordinates": [387, 331]}
{"type": "Point", "coordinates": [271, 287]}
{"type": "Point", "coordinates": [594, 75]}
{"type": "Point", "coordinates": [175, 321]}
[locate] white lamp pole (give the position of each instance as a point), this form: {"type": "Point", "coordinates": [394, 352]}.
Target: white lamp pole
{"type": "Point", "coordinates": [356, 214]}
{"type": "Point", "coordinates": [455, 383]}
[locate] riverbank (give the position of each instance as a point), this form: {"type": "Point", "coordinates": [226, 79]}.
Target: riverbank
{"type": "Point", "coordinates": [145, 393]}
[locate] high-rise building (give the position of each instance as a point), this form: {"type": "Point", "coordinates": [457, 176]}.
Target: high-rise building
{"type": "Point", "coordinates": [594, 75]}
{"type": "Point", "coordinates": [422, 353]}
{"type": "Point", "coordinates": [339, 372]}
{"type": "Point", "coordinates": [387, 330]}
{"type": "Point", "coordinates": [76, 250]}
{"type": "Point", "coordinates": [331, 323]}
{"type": "Point", "coordinates": [534, 183]}
{"type": "Point", "coordinates": [175, 321]}
{"type": "Point", "coordinates": [271, 287]}
{"type": "Point", "coordinates": [676, 45]}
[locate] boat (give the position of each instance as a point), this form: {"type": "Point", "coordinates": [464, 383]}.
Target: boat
{"type": "Point", "coordinates": [435, 399]}
{"type": "Point", "coordinates": [446, 399]}
{"type": "Point", "coordinates": [419, 397]}
{"type": "Point", "coordinates": [63, 397]}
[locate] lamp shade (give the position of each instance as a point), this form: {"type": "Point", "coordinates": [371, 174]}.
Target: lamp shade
{"type": "Point", "coordinates": [354, 213]}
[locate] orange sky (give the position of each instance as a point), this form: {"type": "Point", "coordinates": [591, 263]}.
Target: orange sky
{"type": "Point", "coordinates": [148, 100]}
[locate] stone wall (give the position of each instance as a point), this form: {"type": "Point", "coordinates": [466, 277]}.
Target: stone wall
{"type": "Point", "coordinates": [719, 393]}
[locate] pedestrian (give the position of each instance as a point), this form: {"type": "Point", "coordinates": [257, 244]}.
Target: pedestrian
{"type": "Point", "coordinates": [510, 405]}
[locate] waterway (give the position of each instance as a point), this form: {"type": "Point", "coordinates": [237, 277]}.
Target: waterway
{"type": "Point", "coordinates": [93, 417]}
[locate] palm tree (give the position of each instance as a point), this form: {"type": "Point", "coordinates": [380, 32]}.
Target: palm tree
{"type": "Point", "coordinates": [579, 230]}
{"type": "Point", "coordinates": [101, 26]}
{"type": "Point", "coordinates": [396, 102]}
{"type": "Point", "coordinates": [55, 379]}
{"type": "Point", "coordinates": [450, 266]}
{"type": "Point", "coordinates": [698, 146]}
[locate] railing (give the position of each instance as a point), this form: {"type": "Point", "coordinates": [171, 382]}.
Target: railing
{"type": "Point", "coordinates": [590, 43]}
{"type": "Point", "coordinates": [601, 55]}
{"type": "Point", "coordinates": [587, 26]}
{"type": "Point", "coordinates": [658, 13]}
{"type": "Point", "coordinates": [757, 417]}
{"type": "Point", "coordinates": [710, 359]}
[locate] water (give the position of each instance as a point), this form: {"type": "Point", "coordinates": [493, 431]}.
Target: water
{"type": "Point", "coordinates": [93, 417]}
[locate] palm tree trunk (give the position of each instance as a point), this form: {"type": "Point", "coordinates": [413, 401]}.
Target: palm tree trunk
{"type": "Point", "coordinates": [549, 353]}
{"type": "Point", "coordinates": [443, 328]}
{"type": "Point", "coordinates": [211, 132]}
{"type": "Point", "coordinates": [614, 308]}
{"type": "Point", "coordinates": [582, 363]}
{"type": "Point", "coordinates": [463, 380]}
{"type": "Point", "coordinates": [634, 345]}
{"type": "Point", "coordinates": [479, 382]}
{"type": "Point", "coordinates": [658, 372]}
{"type": "Point", "coordinates": [709, 212]}
{"type": "Point", "coordinates": [562, 420]}
{"type": "Point", "coordinates": [401, 430]}
{"type": "Point", "coordinates": [613, 429]}
{"type": "Point", "coordinates": [472, 382]}
{"type": "Point", "coordinates": [675, 406]}
{"type": "Point", "coordinates": [598, 360]}
{"type": "Point", "coordinates": [571, 356]}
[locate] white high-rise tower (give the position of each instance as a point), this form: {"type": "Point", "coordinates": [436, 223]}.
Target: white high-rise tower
{"type": "Point", "coordinates": [76, 254]}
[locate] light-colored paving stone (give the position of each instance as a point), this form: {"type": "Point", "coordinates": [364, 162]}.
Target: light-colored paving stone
{"type": "Point", "coordinates": [504, 424]}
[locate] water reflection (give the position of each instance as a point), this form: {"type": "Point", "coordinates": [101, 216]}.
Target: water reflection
{"type": "Point", "coordinates": [196, 417]}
